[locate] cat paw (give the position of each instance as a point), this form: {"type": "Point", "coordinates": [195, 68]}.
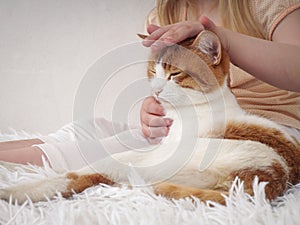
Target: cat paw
{"type": "Point", "coordinates": [10, 193]}
{"type": "Point", "coordinates": [170, 191]}
{"type": "Point", "coordinates": [3, 195]}
{"type": "Point", "coordinates": [34, 191]}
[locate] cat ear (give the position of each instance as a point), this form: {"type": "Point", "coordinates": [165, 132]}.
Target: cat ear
{"type": "Point", "coordinates": [209, 43]}
{"type": "Point", "coordinates": [143, 36]}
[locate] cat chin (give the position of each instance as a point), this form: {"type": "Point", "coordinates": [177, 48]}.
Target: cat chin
{"type": "Point", "coordinates": [177, 96]}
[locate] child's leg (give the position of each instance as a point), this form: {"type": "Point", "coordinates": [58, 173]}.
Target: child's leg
{"type": "Point", "coordinates": [60, 147]}
{"type": "Point", "coordinates": [4, 146]}
{"type": "Point", "coordinates": [32, 155]}
{"type": "Point", "coordinates": [74, 155]}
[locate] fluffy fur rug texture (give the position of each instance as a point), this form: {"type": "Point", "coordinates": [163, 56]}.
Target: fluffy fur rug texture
{"type": "Point", "coordinates": [111, 205]}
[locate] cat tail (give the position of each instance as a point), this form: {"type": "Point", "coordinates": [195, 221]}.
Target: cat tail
{"type": "Point", "coordinates": [41, 190]}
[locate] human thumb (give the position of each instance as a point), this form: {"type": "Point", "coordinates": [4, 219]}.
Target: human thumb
{"type": "Point", "coordinates": [207, 23]}
{"type": "Point", "coordinates": [151, 28]}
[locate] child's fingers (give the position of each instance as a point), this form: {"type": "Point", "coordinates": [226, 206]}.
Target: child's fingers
{"type": "Point", "coordinates": [155, 141]}
{"type": "Point", "coordinates": [152, 106]}
{"type": "Point", "coordinates": [155, 132]}
{"type": "Point", "coordinates": [155, 126]}
{"type": "Point", "coordinates": [162, 37]}
{"type": "Point", "coordinates": [154, 36]}
{"type": "Point", "coordinates": [153, 123]}
{"type": "Point", "coordinates": [151, 28]}
{"type": "Point", "coordinates": [156, 121]}
{"type": "Point", "coordinates": [207, 23]}
{"type": "Point", "coordinates": [172, 34]}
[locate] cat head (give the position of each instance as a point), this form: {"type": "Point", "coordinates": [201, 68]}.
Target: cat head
{"type": "Point", "coordinates": [200, 64]}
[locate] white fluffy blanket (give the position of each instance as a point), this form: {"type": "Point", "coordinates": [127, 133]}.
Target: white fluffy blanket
{"type": "Point", "coordinates": [110, 205]}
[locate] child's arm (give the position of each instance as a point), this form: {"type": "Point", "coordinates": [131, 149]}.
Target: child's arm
{"type": "Point", "coordinates": [276, 62]}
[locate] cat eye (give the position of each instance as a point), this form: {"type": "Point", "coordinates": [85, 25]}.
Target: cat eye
{"type": "Point", "coordinates": [174, 74]}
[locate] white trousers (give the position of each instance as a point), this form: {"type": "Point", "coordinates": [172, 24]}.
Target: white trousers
{"type": "Point", "coordinates": [83, 142]}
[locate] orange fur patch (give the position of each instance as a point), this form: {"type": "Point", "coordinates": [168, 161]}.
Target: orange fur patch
{"type": "Point", "coordinates": [80, 183]}
{"type": "Point", "coordinates": [272, 138]}
{"type": "Point", "coordinates": [179, 191]}
{"type": "Point", "coordinates": [275, 175]}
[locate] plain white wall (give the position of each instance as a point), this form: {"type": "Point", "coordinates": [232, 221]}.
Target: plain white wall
{"type": "Point", "coordinates": [47, 46]}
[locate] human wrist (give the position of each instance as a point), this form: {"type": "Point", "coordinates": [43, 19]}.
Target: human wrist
{"type": "Point", "coordinates": [222, 33]}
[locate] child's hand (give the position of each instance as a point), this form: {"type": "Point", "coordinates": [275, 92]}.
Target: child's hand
{"type": "Point", "coordinates": [154, 125]}
{"type": "Point", "coordinates": [160, 37]}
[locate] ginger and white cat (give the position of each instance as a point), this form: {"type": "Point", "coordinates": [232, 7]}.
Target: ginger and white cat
{"type": "Point", "coordinates": [211, 142]}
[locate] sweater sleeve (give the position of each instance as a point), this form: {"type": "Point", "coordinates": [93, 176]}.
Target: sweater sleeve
{"type": "Point", "coordinates": [269, 13]}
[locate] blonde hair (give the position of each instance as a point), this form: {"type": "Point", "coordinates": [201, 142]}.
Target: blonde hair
{"type": "Point", "coordinates": [234, 14]}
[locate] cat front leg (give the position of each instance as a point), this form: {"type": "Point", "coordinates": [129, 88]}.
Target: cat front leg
{"type": "Point", "coordinates": [35, 190]}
